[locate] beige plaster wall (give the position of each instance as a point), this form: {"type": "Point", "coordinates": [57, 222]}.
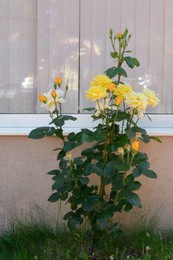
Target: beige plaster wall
{"type": "Point", "coordinates": [25, 186]}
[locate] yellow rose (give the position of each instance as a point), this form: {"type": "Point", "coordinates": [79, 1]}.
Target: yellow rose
{"type": "Point", "coordinates": [95, 93]}
{"type": "Point", "coordinates": [101, 81]}
{"type": "Point", "coordinates": [137, 101]}
{"type": "Point", "coordinates": [122, 90]}
{"type": "Point", "coordinates": [135, 146]}
{"type": "Point", "coordinates": [153, 99]}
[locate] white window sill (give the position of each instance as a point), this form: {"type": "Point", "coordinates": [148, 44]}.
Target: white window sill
{"type": "Point", "coordinates": [22, 124]}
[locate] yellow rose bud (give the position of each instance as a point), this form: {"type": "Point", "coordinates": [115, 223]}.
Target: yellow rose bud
{"type": "Point", "coordinates": [68, 156]}
{"type": "Point", "coordinates": [111, 87]}
{"type": "Point", "coordinates": [120, 150]}
{"type": "Point", "coordinates": [42, 98]}
{"type": "Point", "coordinates": [58, 81]}
{"type": "Point", "coordinates": [135, 146]}
{"type": "Point", "coordinates": [118, 101]}
{"type": "Point", "coordinates": [127, 147]}
{"type": "Point", "coordinates": [119, 35]}
{"type": "Point", "coordinates": [138, 135]}
{"type": "Point", "coordinates": [53, 93]}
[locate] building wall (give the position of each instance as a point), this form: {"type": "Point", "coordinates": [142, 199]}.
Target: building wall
{"type": "Point", "coordinates": [25, 186]}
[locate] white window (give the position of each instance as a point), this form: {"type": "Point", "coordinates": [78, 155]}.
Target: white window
{"type": "Point", "coordinates": [43, 39]}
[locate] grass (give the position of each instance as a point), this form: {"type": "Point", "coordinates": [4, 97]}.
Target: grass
{"type": "Point", "coordinates": [26, 241]}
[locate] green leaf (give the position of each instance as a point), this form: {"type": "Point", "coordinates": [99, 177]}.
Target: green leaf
{"type": "Point", "coordinates": [71, 136]}
{"type": "Point", "coordinates": [38, 133]}
{"type": "Point", "coordinates": [54, 172]}
{"type": "Point", "coordinates": [139, 157]}
{"type": "Point", "coordinates": [117, 185]}
{"type": "Point", "coordinates": [131, 132]}
{"type": "Point", "coordinates": [98, 170]}
{"type": "Point", "coordinates": [63, 164]}
{"type": "Point", "coordinates": [50, 131]}
{"type": "Point", "coordinates": [67, 117]}
{"type": "Point", "coordinates": [112, 72]}
{"type": "Point", "coordinates": [64, 196]}
{"type": "Point", "coordinates": [84, 180]}
{"type": "Point", "coordinates": [114, 54]}
{"type": "Point", "coordinates": [73, 222]}
{"type": "Point", "coordinates": [144, 165]}
{"type": "Point", "coordinates": [68, 215]}
{"type": "Point", "coordinates": [102, 222]}
{"type": "Point", "coordinates": [121, 203]}
{"type": "Point", "coordinates": [129, 179]}
{"type": "Point", "coordinates": [61, 155]}
{"type": "Point", "coordinates": [110, 169]}
{"type": "Point", "coordinates": [136, 62]}
{"type": "Point", "coordinates": [129, 61]}
{"type": "Point", "coordinates": [122, 115]}
{"type": "Point", "coordinates": [122, 72]}
{"type": "Point", "coordinates": [128, 207]}
{"type": "Point", "coordinates": [123, 139]}
{"type": "Point", "coordinates": [156, 139]}
{"type": "Point", "coordinates": [145, 138]}
{"type": "Point", "coordinates": [136, 172]}
{"type": "Point", "coordinates": [68, 146]}
{"type": "Point", "coordinates": [87, 151]}
{"type": "Point", "coordinates": [54, 197]}
{"type": "Point", "coordinates": [87, 205]}
{"type": "Point", "coordinates": [59, 133]}
{"type": "Point", "coordinates": [87, 169]}
{"type": "Point", "coordinates": [87, 135]}
{"type": "Point", "coordinates": [122, 167]}
{"type": "Point", "coordinates": [98, 206]}
{"type": "Point", "coordinates": [135, 185]}
{"type": "Point", "coordinates": [89, 109]}
{"type": "Point", "coordinates": [58, 121]}
{"type": "Point", "coordinates": [134, 199]}
{"type": "Point", "coordinates": [125, 33]}
{"type": "Point", "coordinates": [78, 161]}
{"type": "Point", "coordinates": [106, 180]}
{"type": "Point", "coordinates": [150, 173]}
{"type": "Point", "coordinates": [58, 184]}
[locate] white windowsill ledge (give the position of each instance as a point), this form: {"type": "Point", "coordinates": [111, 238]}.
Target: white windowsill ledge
{"type": "Point", "coordinates": [22, 124]}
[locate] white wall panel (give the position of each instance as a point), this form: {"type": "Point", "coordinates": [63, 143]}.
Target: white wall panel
{"type": "Point", "coordinates": [41, 39]}
{"type": "Point", "coordinates": [142, 39]}
{"type": "Point", "coordinates": [151, 23]}
{"type": "Point", "coordinates": [168, 58]}
{"type": "Point", "coordinates": [93, 32]}
{"type": "Point", "coordinates": [58, 48]}
{"type": "Point", "coordinates": [128, 20]}
{"type": "Point", "coordinates": [157, 34]}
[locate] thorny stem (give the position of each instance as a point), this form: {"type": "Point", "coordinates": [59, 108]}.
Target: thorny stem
{"type": "Point", "coordinates": [102, 187]}
{"type": "Point", "coordinates": [122, 130]}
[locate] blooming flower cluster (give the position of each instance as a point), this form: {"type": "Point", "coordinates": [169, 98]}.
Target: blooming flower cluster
{"type": "Point", "coordinates": [114, 156]}
{"type": "Point", "coordinates": [108, 96]}
{"type": "Point", "coordinates": [53, 97]}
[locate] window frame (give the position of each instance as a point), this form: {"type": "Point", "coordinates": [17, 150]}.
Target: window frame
{"type": "Point", "coordinates": [22, 124]}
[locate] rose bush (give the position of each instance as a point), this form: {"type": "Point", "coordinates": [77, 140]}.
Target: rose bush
{"type": "Point", "coordinates": [113, 152]}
